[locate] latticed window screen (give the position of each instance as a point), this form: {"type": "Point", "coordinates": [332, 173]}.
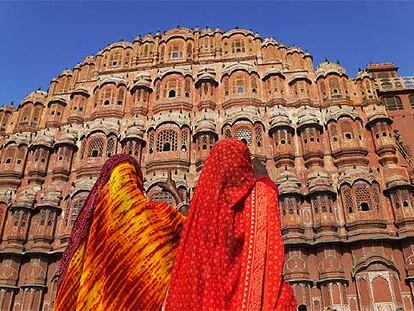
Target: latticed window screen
{"type": "Point", "coordinates": [315, 205]}
{"type": "Point", "coordinates": [244, 133]}
{"type": "Point", "coordinates": [9, 155]}
{"type": "Point", "coordinates": [110, 149]}
{"type": "Point", "coordinates": [75, 210]}
{"type": "Point", "coordinates": [187, 88]}
{"type": "Point", "coordinates": [362, 196]}
{"type": "Point", "coordinates": [184, 138]}
{"type": "Point", "coordinates": [204, 142]}
{"type": "Point", "coordinates": [346, 127]}
{"type": "Point", "coordinates": [226, 86]}
{"type": "Point", "coordinates": [42, 217]}
{"type": "Point", "coordinates": [129, 148]}
{"type": "Point", "coordinates": [405, 198]}
{"type": "Point", "coordinates": [36, 115]}
{"type": "Point", "coordinates": [283, 205]}
{"type": "Point", "coordinates": [211, 140]}
{"type": "Point", "coordinates": [254, 84]}
{"type": "Point", "coordinates": [292, 206]}
{"type": "Point", "coordinates": [15, 216]}
{"type": "Point", "coordinates": [106, 95]}
{"type": "Point", "coordinates": [334, 131]}
{"type": "Point", "coordinates": [376, 196]}
{"type": "Point", "coordinates": [164, 196]}
{"type": "Point", "coordinates": [395, 200]}
{"type": "Point", "coordinates": [347, 197]}
{"type": "Point", "coordinates": [167, 141]}
{"type": "Point", "coordinates": [121, 94]}
{"type": "Point", "coordinates": [334, 85]}
{"type": "Point", "coordinates": [25, 115]}
{"type": "Point", "coordinates": [227, 133]}
{"type": "Point", "coordinates": [95, 147]}
{"type": "Point", "coordinates": [151, 140]}
{"type": "Point", "coordinates": [21, 154]}
{"type": "Point", "coordinates": [259, 138]}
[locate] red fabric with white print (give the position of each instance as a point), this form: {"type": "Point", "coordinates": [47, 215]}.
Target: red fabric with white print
{"type": "Point", "coordinates": [231, 254]}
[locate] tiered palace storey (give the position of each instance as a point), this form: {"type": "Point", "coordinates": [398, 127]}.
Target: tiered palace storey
{"type": "Point", "coordinates": [346, 193]}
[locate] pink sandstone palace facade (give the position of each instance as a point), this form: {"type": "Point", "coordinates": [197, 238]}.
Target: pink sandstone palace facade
{"type": "Point", "coordinates": [345, 177]}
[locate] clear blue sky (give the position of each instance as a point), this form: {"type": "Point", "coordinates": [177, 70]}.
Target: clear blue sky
{"type": "Point", "coordinates": [39, 39]}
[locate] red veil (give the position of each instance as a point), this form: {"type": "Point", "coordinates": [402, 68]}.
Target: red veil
{"type": "Point", "coordinates": [231, 254]}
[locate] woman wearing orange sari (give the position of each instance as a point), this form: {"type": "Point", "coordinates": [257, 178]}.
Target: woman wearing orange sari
{"type": "Point", "coordinates": [230, 255]}
{"type": "Point", "coordinates": [122, 247]}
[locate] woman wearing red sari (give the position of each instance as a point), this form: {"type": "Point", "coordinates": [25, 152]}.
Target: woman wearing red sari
{"type": "Point", "coordinates": [230, 255]}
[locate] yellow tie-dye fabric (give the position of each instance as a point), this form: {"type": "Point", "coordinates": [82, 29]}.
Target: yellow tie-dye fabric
{"type": "Point", "coordinates": [127, 259]}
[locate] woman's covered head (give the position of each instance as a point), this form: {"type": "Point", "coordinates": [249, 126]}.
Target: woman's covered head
{"type": "Point", "coordinates": [227, 175]}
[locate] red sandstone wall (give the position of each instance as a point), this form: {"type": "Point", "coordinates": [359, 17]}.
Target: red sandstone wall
{"type": "Point", "coordinates": [346, 202]}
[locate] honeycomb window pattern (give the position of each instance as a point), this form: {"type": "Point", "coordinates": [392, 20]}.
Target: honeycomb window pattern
{"type": "Point", "coordinates": [167, 141]}
{"type": "Point", "coordinates": [244, 133]}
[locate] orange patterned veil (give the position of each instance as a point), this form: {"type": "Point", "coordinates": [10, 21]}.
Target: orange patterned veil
{"type": "Point", "coordinates": [122, 247]}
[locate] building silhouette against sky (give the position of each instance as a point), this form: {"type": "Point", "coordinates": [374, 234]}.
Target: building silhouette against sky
{"type": "Point", "coordinates": [340, 159]}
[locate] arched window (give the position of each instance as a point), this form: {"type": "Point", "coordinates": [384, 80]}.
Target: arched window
{"type": "Point", "coordinates": [96, 145]}
{"type": "Point", "coordinates": [167, 141]}
{"type": "Point", "coordinates": [244, 134]}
